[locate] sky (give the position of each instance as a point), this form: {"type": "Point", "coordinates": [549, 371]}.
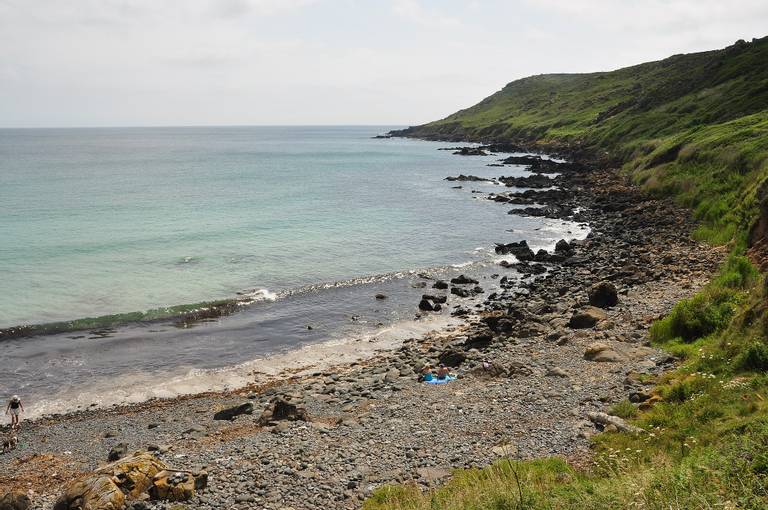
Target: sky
{"type": "Point", "coordinates": [276, 62]}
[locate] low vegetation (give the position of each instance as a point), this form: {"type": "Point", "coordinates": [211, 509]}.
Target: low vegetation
{"type": "Point", "coordinates": [693, 127]}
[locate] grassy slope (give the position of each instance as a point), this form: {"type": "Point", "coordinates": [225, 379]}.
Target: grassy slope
{"type": "Point", "coordinates": [694, 127]}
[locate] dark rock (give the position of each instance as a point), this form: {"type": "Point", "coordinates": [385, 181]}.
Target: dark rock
{"type": "Point", "coordinates": [435, 299]}
{"type": "Point", "coordinates": [452, 358]}
{"type": "Point", "coordinates": [520, 250]}
{"type": "Point", "coordinates": [603, 295]}
{"type": "Point", "coordinates": [381, 296]}
{"type": "Point", "coordinates": [458, 291]}
{"type": "Point", "coordinates": [426, 306]}
{"type": "Point", "coordinates": [563, 247]}
{"type": "Point", "coordinates": [471, 151]}
{"type": "Point", "coordinates": [467, 178]}
{"type": "Point", "coordinates": [281, 408]}
{"type": "Point", "coordinates": [480, 340]}
{"type": "Point", "coordinates": [463, 280]}
{"type": "Point", "coordinates": [440, 284]}
{"type": "Point", "coordinates": [232, 412]}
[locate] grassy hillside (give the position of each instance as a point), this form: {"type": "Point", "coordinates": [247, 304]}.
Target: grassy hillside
{"type": "Point", "coordinates": [693, 127]}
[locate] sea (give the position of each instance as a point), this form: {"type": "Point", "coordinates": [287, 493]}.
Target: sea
{"type": "Point", "coordinates": [107, 235]}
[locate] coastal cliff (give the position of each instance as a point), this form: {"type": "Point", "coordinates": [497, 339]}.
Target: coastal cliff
{"type": "Point", "coordinates": [692, 129]}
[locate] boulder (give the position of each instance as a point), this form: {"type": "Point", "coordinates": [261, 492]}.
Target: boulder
{"type": "Point", "coordinates": [452, 358]}
{"type": "Point", "coordinates": [15, 500]}
{"type": "Point", "coordinates": [440, 284]}
{"type": "Point", "coordinates": [587, 318]}
{"type": "Point", "coordinates": [606, 420]}
{"type": "Point", "coordinates": [603, 295]}
{"type": "Point", "coordinates": [232, 412]}
{"type": "Point", "coordinates": [435, 299]}
{"type": "Point", "coordinates": [426, 306]}
{"type": "Point", "coordinates": [599, 351]}
{"type": "Point", "coordinates": [563, 247]}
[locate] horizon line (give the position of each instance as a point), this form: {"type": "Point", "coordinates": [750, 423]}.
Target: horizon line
{"type": "Point", "coordinates": [160, 126]}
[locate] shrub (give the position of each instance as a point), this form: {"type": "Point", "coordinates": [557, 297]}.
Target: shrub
{"type": "Point", "coordinates": [694, 318]}
{"type": "Point", "coordinates": [754, 359]}
{"type": "Point", "coordinates": [680, 392]}
{"type": "Point", "coordinates": [737, 273]}
{"type": "Point", "coordinates": [624, 409]}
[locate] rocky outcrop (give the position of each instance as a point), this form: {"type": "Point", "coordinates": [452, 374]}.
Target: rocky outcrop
{"type": "Point", "coordinates": [108, 487]}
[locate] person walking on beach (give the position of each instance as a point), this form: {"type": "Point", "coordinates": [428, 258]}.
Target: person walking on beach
{"type": "Point", "coordinates": [15, 407]}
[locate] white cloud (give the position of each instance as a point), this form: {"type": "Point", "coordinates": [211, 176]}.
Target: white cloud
{"type": "Point", "coordinates": [414, 12]}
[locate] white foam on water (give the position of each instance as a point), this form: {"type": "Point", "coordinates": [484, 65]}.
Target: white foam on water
{"type": "Point", "coordinates": [257, 295]}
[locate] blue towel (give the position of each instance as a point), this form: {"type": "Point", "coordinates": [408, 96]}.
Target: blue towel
{"type": "Point", "coordinates": [441, 381]}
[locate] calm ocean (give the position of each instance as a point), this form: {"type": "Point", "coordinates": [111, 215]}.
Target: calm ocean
{"type": "Point", "coordinates": [109, 221]}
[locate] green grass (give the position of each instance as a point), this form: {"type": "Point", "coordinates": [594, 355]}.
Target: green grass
{"type": "Point", "coordinates": [693, 128]}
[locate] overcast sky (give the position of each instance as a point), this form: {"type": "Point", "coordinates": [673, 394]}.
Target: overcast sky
{"type": "Point", "coordinates": [227, 62]}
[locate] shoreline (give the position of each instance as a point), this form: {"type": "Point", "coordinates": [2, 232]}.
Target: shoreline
{"type": "Point", "coordinates": [525, 332]}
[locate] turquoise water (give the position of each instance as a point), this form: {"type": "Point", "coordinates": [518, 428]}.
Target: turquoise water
{"type": "Point", "coordinates": [104, 221]}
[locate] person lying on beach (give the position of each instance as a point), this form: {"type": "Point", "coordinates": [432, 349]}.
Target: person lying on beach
{"type": "Point", "coordinates": [442, 372]}
{"type": "Point", "coordinates": [426, 373]}
{"type": "Point", "coordinates": [15, 408]}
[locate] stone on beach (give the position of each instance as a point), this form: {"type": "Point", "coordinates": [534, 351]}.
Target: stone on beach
{"type": "Point", "coordinates": [587, 318]}
{"type": "Point", "coordinates": [232, 412]}
{"type": "Point", "coordinates": [603, 295]}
